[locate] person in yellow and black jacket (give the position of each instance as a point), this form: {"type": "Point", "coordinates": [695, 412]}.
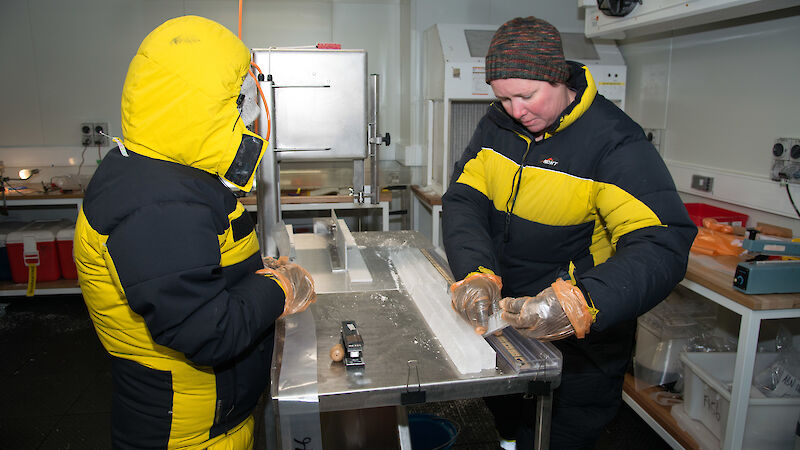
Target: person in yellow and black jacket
{"type": "Point", "coordinates": [167, 256]}
{"type": "Point", "coordinates": [562, 215]}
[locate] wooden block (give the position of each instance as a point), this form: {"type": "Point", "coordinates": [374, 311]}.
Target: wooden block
{"type": "Point", "coordinates": [774, 230]}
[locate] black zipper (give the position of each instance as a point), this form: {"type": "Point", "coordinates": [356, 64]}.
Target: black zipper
{"type": "Point", "coordinates": [516, 181]}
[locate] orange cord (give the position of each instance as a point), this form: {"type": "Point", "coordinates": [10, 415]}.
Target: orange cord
{"type": "Point", "coordinates": [241, 2]}
{"type": "Point", "coordinates": [258, 85]}
{"type": "Point", "coordinates": [263, 100]}
{"type": "Point", "coordinates": [257, 68]}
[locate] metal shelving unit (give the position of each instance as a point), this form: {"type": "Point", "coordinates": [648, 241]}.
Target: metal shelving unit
{"type": "Point", "coordinates": [717, 286]}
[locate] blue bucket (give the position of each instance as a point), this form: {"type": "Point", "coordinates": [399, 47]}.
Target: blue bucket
{"type": "Point", "coordinates": [430, 432]}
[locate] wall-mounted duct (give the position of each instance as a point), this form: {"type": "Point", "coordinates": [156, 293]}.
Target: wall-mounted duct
{"type": "Point", "coordinates": [654, 16]}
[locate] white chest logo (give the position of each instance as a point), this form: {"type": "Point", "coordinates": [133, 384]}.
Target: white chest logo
{"type": "Point", "coordinates": [550, 162]}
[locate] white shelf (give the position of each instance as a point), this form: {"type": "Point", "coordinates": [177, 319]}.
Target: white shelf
{"type": "Point", "coordinates": [727, 297]}
{"type": "Point", "coordinates": [57, 287]}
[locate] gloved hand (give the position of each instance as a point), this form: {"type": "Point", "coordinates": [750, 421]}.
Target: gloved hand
{"type": "Point", "coordinates": [475, 298]}
{"type": "Point", "coordinates": [555, 313]}
{"type": "Point", "coordinates": [295, 281]}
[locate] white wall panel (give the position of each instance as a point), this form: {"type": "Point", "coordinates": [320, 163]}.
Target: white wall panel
{"type": "Point", "coordinates": [286, 24]}
{"type": "Point", "coordinates": [723, 93]}
{"type": "Point", "coordinates": [729, 92]}
{"type": "Point", "coordinates": [648, 85]}
{"type": "Point", "coordinates": [374, 28]}
{"type": "Point", "coordinates": [748, 98]}
{"type": "Point", "coordinates": [20, 117]}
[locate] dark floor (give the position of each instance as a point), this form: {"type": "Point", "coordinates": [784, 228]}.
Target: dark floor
{"type": "Point", "coordinates": [55, 387]}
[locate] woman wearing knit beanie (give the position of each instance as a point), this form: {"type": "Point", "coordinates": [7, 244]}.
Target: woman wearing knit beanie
{"type": "Point", "coordinates": [559, 183]}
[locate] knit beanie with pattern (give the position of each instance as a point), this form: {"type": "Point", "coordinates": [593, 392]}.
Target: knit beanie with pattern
{"type": "Point", "coordinates": [528, 48]}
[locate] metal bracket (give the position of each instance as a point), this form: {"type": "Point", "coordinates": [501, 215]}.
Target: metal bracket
{"type": "Point", "coordinates": [537, 387]}
{"type": "Point", "coordinates": [342, 248]}
{"type": "Point", "coordinates": [410, 397]}
{"type": "Point", "coordinates": [284, 240]}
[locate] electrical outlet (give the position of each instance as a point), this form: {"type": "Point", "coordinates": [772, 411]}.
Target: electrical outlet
{"type": "Point", "coordinates": [792, 172]}
{"type": "Point", "coordinates": [87, 134]}
{"type": "Point", "coordinates": [786, 160]}
{"type": "Point", "coordinates": [97, 136]}
{"type": "Point", "coordinates": [655, 136]}
{"type": "Point", "coordinates": [702, 183]}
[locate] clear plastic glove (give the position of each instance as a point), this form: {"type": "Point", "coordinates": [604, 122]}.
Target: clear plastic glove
{"type": "Point", "coordinates": [555, 313]}
{"type": "Point", "coordinates": [295, 281]}
{"type": "Point", "coordinates": [475, 298]}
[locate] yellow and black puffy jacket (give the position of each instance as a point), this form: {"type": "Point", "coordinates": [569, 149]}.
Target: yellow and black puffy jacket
{"type": "Point", "coordinates": [166, 254]}
{"type": "Point", "coordinates": [593, 199]}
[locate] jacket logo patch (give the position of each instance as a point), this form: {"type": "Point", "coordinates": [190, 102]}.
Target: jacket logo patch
{"type": "Point", "coordinates": [550, 162]}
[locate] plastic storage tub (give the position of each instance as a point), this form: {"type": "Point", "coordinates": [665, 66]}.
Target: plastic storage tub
{"type": "Point", "coordinates": [659, 341]}
{"type": "Point", "coordinates": [5, 266]}
{"type": "Point", "coordinates": [699, 211]}
{"type": "Point", "coordinates": [770, 422]}
{"type": "Point", "coordinates": [64, 239]}
{"type": "Point", "coordinates": [35, 244]}
{"type": "Point", "coordinates": [664, 331]}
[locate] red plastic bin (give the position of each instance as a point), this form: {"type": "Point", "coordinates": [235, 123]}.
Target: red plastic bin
{"type": "Point", "coordinates": [5, 265]}
{"type": "Point", "coordinates": [699, 211]}
{"type": "Point", "coordinates": [35, 242]}
{"type": "Point", "coordinates": [66, 260]}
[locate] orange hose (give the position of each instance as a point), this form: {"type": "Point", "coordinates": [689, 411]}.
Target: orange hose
{"type": "Point", "coordinates": [258, 85]}
{"type": "Point", "coordinates": [241, 2]}
{"type": "Point", "coordinates": [263, 100]}
{"type": "Point", "coordinates": [257, 68]}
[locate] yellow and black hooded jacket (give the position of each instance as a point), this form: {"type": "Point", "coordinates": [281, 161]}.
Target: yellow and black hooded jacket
{"type": "Point", "coordinates": [165, 252]}
{"type": "Point", "coordinates": [592, 199]}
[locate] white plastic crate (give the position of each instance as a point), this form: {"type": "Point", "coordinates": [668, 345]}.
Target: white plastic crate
{"type": "Point", "coordinates": [659, 342]}
{"type": "Point", "coordinates": [663, 332]}
{"type": "Point", "coordinates": [770, 422]}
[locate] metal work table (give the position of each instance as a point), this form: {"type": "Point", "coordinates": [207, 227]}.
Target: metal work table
{"type": "Point", "coordinates": [401, 354]}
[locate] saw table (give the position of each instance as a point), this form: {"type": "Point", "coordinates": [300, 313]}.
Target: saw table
{"type": "Point", "coordinates": [404, 361]}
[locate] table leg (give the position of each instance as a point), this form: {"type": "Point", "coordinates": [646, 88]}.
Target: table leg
{"type": "Point", "coordinates": [403, 432]}
{"type": "Point", "coordinates": [742, 379]}
{"type": "Point", "coordinates": [436, 217]}
{"type": "Point", "coordinates": [544, 410]}
{"type": "Point", "coordinates": [385, 215]}
{"type": "Point", "coordinates": [413, 212]}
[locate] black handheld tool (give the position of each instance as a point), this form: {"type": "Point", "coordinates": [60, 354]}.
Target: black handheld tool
{"type": "Point", "coordinates": [352, 343]}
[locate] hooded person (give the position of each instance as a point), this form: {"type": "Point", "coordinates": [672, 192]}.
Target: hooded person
{"type": "Point", "coordinates": [562, 217]}
{"type": "Point", "coordinates": [168, 258]}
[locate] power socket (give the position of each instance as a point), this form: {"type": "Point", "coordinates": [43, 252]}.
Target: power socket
{"type": "Point", "coordinates": [87, 134]}
{"type": "Point", "coordinates": [702, 183]}
{"type": "Point", "coordinates": [792, 172]}
{"type": "Point", "coordinates": [786, 160]}
{"type": "Point", "coordinates": [656, 137]}
{"type": "Point", "coordinates": [99, 129]}
{"type": "Point", "coordinates": [91, 134]}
